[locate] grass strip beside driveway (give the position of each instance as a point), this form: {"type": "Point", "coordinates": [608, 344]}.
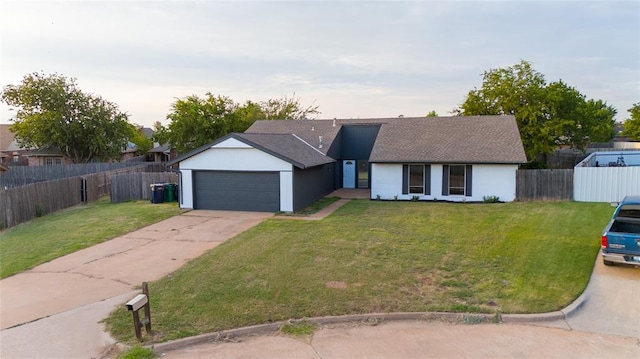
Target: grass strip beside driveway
{"type": "Point", "coordinates": [376, 256]}
{"type": "Point", "coordinates": [38, 241]}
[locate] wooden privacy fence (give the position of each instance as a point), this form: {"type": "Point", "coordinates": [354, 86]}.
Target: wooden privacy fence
{"type": "Point", "coordinates": [544, 185]}
{"type": "Point", "coordinates": [23, 175]}
{"type": "Point", "coordinates": [23, 203]}
{"type": "Point", "coordinates": [133, 186]}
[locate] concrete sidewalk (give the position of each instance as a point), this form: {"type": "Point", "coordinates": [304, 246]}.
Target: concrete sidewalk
{"type": "Point", "coordinates": [99, 278]}
{"type": "Point", "coordinates": [421, 339]}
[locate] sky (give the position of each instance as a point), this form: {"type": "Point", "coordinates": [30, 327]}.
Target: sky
{"type": "Point", "coordinates": [353, 59]}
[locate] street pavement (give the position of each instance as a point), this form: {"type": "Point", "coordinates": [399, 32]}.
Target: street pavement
{"type": "Point", "coordinates": [420, 339]}
{"type": "Point", "coordinates": [613, 302]}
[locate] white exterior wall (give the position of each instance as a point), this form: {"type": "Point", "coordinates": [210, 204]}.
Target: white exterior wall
{"type": "Point", "coordinates": [494, 180]}
{"type": "Point", "coordinates": [186, 189]}
{"type": "Point", "coordinates": [487, 180]}
{"type": "Point", "coordinates": [605, 184]}
{"type": "Point", "coordinates": [233, 155]}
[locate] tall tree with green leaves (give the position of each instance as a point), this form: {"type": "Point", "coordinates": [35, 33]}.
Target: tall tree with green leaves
{"type": "Point", "coordinates": [632, 124]}
{"type": "Point", "coordinates": [196, 121]}
{"type": "Point", "coordinates": [137, 136]}
{"type": "Point", "coordinates": [574, 120]}
{"type": "Point", "coordinates": [432, 113]}
{"type": "Point", "coordinates": [53, 111]}
{"type": "Point", "coordinates": [286, 108]}
{"type": "Point", "coordinates": [548, 115]}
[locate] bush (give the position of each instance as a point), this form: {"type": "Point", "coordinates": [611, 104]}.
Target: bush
{"type": "Point", "coordinates": [491, 199]}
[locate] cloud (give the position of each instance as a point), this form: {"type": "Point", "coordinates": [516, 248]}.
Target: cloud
{"type": "Point", "coordinates": [356, 59]}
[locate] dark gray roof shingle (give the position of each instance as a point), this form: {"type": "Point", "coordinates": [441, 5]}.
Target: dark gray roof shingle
{"type": "Point", "coordinates": [456, 139]}
{"type": "Point", "coordinates": [309, 131]}
{"type": "Point", "coordinates": [288, 147]}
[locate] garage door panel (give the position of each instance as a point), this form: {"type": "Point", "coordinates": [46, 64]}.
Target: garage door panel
{"type": "Point", "coordinates": [242, 191]}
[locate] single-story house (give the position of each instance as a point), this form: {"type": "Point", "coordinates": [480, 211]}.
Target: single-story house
{"type": "Point", "coordinates": [279, 165]}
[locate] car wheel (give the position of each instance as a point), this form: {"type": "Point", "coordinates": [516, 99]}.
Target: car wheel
{"type": "Point", "coordinates": [608, 263]}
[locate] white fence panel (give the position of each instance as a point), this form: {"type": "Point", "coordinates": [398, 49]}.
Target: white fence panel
{"type": "Point", "coordinates": [605, 184]}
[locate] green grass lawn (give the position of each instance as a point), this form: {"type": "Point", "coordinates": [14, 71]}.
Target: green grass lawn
{"type": "Point", "coordinates": [38, 241]}
{"type": "Point", "coordinates": [378, 256]}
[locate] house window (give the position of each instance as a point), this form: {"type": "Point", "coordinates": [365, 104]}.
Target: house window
{"type": "Point", "coordinates": [48, 161]}
{"type": "Point", "coordinates": [416, 179]}
{"type": "Point", "coordinates": [16, 158]}
{"type": "Point", "coordinates": [58, 161]}
{"type": "Point", "coordinates": [456, 180]}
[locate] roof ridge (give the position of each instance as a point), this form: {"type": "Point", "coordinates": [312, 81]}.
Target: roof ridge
{"type": "Point", "coordinates": [308, 144]}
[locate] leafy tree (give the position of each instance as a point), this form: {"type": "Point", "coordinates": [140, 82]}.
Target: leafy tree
{"type": "Point", "coordinates": [547, 115]}
{"type": "Point", "coordinates": [143, 144]}
{"type": "Point", "coordinates": [53, 111]}
{"type": "Point", "coordinates": [599, 120]}
{"type": "Point", "coordinates": [632, 124]}
{"type": "Point", "coordinates": [432, 113]}
{"type": "Point", "coordinates": [573, 120]}
{"type": "Point", "coordinates": [197, 121]}
{"type": "Point", "coordinates": [287, 109]}
{"type": "Point", "coordinates": [516, 90]}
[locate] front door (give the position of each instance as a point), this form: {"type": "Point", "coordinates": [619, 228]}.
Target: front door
{"type": "Point", "coordinates": [349, 174]}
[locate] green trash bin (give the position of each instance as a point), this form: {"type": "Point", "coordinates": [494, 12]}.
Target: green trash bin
{"type": "Point", "coordinates": [169, 191]}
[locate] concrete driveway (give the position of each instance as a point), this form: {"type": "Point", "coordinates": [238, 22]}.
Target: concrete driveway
{"type": "Point", "coordinates": [77, 290]}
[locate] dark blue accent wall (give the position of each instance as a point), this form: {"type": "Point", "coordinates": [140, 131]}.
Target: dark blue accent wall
{"type": "Point", "coordinates": [356, 142]}
{"type": "Point", "coordinates": [311, 184]}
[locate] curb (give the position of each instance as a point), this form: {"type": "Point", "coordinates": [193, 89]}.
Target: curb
{"type": "Point", "coordinates": [373, 319]}
{"type": "Point", "coordinates": [366, 319]}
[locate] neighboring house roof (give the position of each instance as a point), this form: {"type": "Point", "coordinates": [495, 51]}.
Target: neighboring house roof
{"type": "Point", "coordinates": [287, 147]}
{"type": "Point", "coordinates": [148, 132]}
{"type": "Point", "coordinates": [46, 151]}
{"type": "Point", "coordinates": [6, 137]}
{"type": "Point", "coordinates": [8, 142]}
{"type": "Point", "coordinates": [131, 147]}
{"type": "Point", "coordinates": [161, 149]}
